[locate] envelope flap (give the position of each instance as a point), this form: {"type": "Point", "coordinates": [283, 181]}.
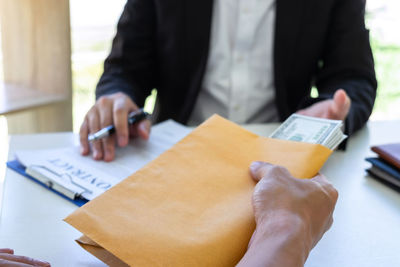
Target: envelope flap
{"type": "Point", "coordinates": [99, 252]}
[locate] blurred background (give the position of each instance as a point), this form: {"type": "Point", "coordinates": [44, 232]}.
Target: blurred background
{"type": "Point", "coordinates": [91, 42]}
{"type": "Point", "coordinates": [93, 25]}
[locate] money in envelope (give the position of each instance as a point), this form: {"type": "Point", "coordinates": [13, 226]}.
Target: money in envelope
{"type": "Point", "coordinates": [311, 130]}
{"type": "Point", "coordinates": [191, 206]}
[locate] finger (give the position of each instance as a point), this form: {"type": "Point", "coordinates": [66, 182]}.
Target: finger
{"type": "Point", "coordinates": [106, 119]}
{"type": "Point", "coordinates": [341, 104]}
{"type": "Point", "coordinates": [261, 169]}
{"type": "Point", "coordinates": [94, 126]}
{"type": "Point", "coordinates": [23, 259]}
{"type": "Point", "coordinates": [83, 137]}
{"type": "Point", "coordinates": [134, 130]}
{"type": "Point", "coordinates": [122, 108]}
{"type": "Point", "coordinates": [8, 263]}
{"type": "Point", "coordinates": [327, 187]}
{"type": "Point", "coordinates": [319, 110]}
{"type": "Point", "coordinates": [321, 179]}
{"type": "Point", "coordinates": [340, 97]}
{"type": "Point", "coordinates": [143, 129]}
{"type": "Point", "coordinates": [7, 250]}
{"type": "Point", "coordinates": [109, 148]}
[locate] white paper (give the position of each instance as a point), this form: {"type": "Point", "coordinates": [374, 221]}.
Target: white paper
{"type": "Point", "coordinates": [97, 176]}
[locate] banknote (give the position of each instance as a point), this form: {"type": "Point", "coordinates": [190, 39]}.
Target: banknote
{"type": "Point", "coordinates": [311, 130]}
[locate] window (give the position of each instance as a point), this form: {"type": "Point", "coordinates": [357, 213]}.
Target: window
{"type": "Point", "coordinates": [93, 25]}
{"type": "Point", "coordinates": [383, 20]}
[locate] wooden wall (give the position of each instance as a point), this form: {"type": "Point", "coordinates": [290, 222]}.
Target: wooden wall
{"type": "Point", "coordinates": [36, 47]}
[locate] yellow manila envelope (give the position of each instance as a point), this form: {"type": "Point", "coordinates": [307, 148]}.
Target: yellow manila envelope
{"type": "Point", "coordinates": [192, 205]}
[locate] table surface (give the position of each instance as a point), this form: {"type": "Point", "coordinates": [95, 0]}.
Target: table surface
{"type": "Point", "coordinates": [366, 230]}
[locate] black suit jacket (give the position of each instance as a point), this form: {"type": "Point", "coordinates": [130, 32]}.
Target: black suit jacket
{"type": "Point", "coordinates": [164, 44]}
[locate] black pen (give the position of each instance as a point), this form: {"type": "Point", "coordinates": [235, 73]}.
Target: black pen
{"type": "Point", "coordinates": [133, 118]}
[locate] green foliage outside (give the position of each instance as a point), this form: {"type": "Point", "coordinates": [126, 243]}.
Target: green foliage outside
{"type": "Point", "coordinates": [387, 67]}
{"type": "Point", "coordinates": [84, 83]}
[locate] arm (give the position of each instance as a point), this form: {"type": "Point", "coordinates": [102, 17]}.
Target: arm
{"type": "Point", "coordinates": [131, 66]}
{"type": "Point", "coordinates": [279, 243]}
{"type": "Point", "coordinates": [291, 216]}
{"type": "Point", "coordinates": [129, 76]}
{"type": "Point", "coordinates": [347, 63]}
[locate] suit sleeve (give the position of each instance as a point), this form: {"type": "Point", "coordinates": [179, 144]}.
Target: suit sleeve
{"type": "Point", "coordinates": [347, 63]}
{"type": "Point", "coordinates": [131, 66]}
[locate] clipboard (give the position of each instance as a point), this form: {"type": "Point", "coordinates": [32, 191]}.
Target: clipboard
{"type": "Point", "coordinates": [127, 161]}
{"type": "Point", "coordinates": [21, 169]}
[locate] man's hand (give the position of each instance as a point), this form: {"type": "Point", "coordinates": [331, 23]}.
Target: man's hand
{"type": "Point", "coordinates": [334, 109]}
{"type": "Point", "coordinates": [7, 258]}
{"type": "Point", "coordinates": [291, 216]}
{"type": "Point", "coordinates": [111, 109]}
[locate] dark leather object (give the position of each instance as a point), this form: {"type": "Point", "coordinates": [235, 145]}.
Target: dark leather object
{"type": "Point", "coordinates": [389, 152]}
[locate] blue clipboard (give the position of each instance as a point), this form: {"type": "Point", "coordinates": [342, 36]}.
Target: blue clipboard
{"type": "Point", "coordinates": [19, 168]}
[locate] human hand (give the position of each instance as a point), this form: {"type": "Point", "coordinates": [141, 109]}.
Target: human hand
{"type": "Point", "coordinates": [279, 193]}
{"type": "Point", "coordinates": [291, 216]}
{"type": "Point", "coordinates": [7, 258]}
{"type": "Point", "coordinates": [334, 109]}
{"type": "Point", "coordinates": [111, 109]}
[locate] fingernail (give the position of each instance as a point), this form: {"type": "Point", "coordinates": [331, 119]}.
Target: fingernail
{"type": "Point", "coordinates": [121, 140]}
{"type": "Point", "coordinates": [43, 263]}
{"type": "Point", "coordinates": [255, 165]}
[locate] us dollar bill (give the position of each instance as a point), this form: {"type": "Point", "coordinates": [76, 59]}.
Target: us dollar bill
{"type": "Point", "coordinates": [311, 130]}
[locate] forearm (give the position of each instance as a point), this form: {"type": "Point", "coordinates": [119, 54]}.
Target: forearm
{"type": "Point", "coordinates": [111, 84]}
{"type": "Point", "coordinates": [280, 242]}
{"type": "Point", "coordinates": [131, 66]}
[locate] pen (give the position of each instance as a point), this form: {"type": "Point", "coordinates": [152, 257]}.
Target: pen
{"type": "Point", "coordinates": [133, 117]}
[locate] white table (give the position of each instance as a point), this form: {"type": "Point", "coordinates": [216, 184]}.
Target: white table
{"type": "Point", "coordinates": [366, 231]}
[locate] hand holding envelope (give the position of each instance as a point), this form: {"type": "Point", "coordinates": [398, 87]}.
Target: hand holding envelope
{"type": "Point", "coordinates": [291, 216]}
{"type": "Point", "coordinates": [192, 205]}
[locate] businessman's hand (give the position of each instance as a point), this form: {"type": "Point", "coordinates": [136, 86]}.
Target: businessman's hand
{"type": "Point", "coordinates": [7, 258]}
{"type": "Point", "coordinates": [334, 109]}
{"type": "Point", "coordinates": [111, 109]}
{"type": "Point", "coordinates": [291, 216]}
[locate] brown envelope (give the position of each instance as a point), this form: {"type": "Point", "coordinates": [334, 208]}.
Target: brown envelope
{"type": "Point", "coordinates": [192, 205]}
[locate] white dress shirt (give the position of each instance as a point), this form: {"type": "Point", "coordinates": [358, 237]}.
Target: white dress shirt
{"type": "Point", "coordinates": [238, 82]}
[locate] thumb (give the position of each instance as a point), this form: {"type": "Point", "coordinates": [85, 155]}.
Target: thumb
{"type": "Point", "coordinates": [259, 169]}
{"type": "Point", "coordinates": [341, 104]}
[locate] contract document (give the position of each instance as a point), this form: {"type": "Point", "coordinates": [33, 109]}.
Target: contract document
{"type": "Point", "coordinates": [76, 176]}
